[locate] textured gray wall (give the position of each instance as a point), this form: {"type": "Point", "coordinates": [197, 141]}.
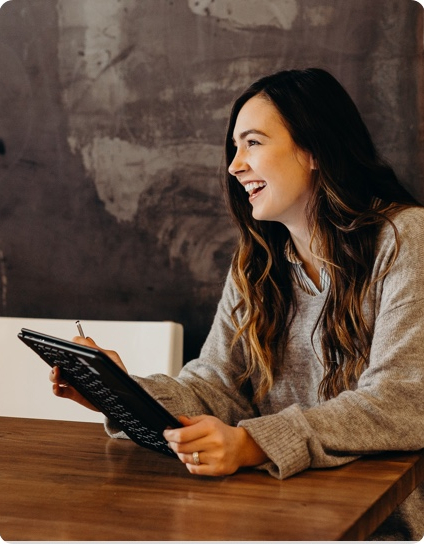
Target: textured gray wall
{"type": "Point", "coordinates": [112, 118]}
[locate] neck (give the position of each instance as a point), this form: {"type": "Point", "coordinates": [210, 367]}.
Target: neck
{"type": "Point", "coordinates": [311, 264]}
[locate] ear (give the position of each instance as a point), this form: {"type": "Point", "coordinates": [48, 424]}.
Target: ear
{"type": "Point", "coordinates": [312, 162]}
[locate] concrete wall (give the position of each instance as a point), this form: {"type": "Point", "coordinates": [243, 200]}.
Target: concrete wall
{"type": "Point", "coordinates": [112, 117]}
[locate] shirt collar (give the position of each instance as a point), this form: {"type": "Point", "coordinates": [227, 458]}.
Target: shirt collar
{"type": "Point", "coordinates": [299, 275]}
{"type": "Point", "coordinates": [290, 252]}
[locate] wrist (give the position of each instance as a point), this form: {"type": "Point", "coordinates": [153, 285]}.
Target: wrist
{"type": "Point", "coordinates": [251, 454]}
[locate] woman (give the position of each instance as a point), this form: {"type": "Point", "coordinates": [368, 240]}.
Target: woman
{"type": "Point", "coordinates": [315, 356]}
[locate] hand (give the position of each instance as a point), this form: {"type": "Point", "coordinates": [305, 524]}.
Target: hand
{"type": "Point", "coordinates": [222, 449]}
{"type": "Point", "coordinates": [61, 388]}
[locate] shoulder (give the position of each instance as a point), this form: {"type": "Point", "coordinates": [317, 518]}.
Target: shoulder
{"type": "Point", "coordinates": [408, 224]}
{"type": "Point", "coordinates": [400, 252]}
{"type": "Point", "coordinates": [410, 220]}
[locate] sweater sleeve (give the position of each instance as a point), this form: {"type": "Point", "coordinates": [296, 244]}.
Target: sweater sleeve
{"type": "Point", "coordinates": [207, 385]}
{"type": "Point", "coordinates": [386, 410]}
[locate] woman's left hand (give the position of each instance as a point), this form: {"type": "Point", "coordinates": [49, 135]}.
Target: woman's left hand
{"type": "Point", "coordinates": [221, 449]}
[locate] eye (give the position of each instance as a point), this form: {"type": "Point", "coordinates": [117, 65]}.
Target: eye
{"type": "Point", "coordinates": [251, 143]}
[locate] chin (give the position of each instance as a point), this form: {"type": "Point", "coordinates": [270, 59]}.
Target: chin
{"type": "Point", "coordinates": [256, 214]}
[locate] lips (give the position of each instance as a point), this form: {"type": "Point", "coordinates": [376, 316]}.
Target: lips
{"type": "Point", "coordinates": [253, 187]}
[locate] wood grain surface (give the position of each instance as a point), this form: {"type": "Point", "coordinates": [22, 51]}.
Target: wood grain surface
{"type": "Point", "coordinates": [68, 481]}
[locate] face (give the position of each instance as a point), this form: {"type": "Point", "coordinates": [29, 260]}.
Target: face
{"type": "Point", "coordinates": [275, 173]}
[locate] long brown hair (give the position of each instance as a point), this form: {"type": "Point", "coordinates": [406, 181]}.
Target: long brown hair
{"type": "Point", "coordinates": [354, 193]}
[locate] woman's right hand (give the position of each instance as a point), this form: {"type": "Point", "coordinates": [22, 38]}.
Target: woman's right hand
{"type": "Point", "coordinates": [61, 388]}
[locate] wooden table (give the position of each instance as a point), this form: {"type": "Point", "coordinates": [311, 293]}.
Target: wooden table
{"type": "Point", "coordinates": [69, 481]}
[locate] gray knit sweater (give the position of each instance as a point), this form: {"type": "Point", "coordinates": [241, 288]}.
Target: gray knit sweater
{"type": "Point", "coordinates": [385, 409]}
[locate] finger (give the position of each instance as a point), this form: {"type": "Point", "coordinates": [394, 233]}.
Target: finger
{"type": "Point", "coordinates": [115, 358]}
{"type": "Point", "coordinates": [184, 435]}
{"type": "Point", "coordinates": [192, 430]}
{"type": "Point", "coordinates": [68, 392]}
{"type": "Point", "coordinates": [62, 390]}
{"type": "Point", "coordinates": [89, 342]}
{"type": "Point", "coordinates": [54, 376]}
{"type": "Point", "coordinates": [192, 420]}
{"type": "Point", "coordinates": [188, 459]}
{"type": "Point", "coordinates": [205, 470]}
{"type": "Point", "coordinates": [187, 448]}
{"type": "Point", "coordinates": [186, 421]}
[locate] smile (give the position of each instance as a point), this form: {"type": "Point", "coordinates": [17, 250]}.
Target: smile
{"type": "Point", "coordinates": [254, 187]}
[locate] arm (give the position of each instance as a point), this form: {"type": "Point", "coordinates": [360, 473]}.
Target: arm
{"type": "Point", "coordinates": [385, 411]}
{"type": "Point", "coordinates": [207, 385]}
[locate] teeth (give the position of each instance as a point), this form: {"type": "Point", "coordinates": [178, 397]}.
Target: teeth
{"type": "Point", "coordinates": [254, 185]}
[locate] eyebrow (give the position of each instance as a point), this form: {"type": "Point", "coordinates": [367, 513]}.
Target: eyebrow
{"type": "Point", "coordinates": [245, 133]}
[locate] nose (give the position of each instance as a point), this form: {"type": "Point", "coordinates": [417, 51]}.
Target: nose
{"type": "Point", "coordinates": [238, 165]}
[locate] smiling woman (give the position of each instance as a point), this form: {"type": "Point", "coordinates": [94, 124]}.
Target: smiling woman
{"type": "Point", "coordinates": [315, 356]}
{"type": "Point", "coordinates": [273, 170]}
{"type": "Point", "coordinates": [330, 196]}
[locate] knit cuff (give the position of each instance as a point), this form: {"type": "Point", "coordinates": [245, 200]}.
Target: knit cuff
{"type": "Point", "coordinates": [287, 450]}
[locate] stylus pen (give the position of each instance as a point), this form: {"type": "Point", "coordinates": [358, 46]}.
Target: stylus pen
{"type": "Point", "coordinates": [81, 332]}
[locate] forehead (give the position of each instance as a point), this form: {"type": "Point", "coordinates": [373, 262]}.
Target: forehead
{"type": "Point", "coordinates": [257, 113]}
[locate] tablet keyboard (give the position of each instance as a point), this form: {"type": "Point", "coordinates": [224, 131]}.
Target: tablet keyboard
{"type": "Point", "coordinates": [81, 372]}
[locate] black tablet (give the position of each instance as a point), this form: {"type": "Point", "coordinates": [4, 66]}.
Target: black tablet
{"type": "Point", "coordinates": [93, 374]}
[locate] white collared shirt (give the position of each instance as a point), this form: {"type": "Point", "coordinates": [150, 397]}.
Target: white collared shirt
{"type": "Point", "coordinates": [299, 275]}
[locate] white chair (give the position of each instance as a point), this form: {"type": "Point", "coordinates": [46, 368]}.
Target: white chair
{"type": "Point", "coordinates": [146, 347]}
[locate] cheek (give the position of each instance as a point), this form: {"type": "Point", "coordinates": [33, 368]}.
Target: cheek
{"type": "Point", "coordinates": [286, 170]}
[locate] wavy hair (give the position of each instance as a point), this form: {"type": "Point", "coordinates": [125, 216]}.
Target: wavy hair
{"type": "Point", "coordinates": [354, 193]}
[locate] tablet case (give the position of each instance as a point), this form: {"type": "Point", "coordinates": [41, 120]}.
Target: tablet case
{"type": "Point", "coordinates": [93, 374]}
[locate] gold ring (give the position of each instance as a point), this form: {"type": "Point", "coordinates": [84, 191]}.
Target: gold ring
{"type": "Point", "coordinates": [196, 459]}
